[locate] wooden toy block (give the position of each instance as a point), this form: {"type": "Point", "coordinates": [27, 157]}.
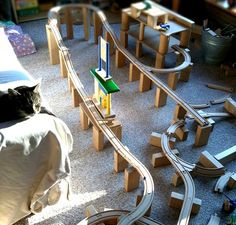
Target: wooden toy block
{"type": "Point", "coordinates": [214, 220]}
{"type": "Point", "coordinates": [98, 136]}
{"type": "Point", "coordinates": [176, 201]}
{"type": "Point", "coordinates": [227, 155]}
{"type": "Point", "coordinates": [136, 9]}
{"type": "Point", "coordinates": [120, 164]}
{"type": "Point", "coordinates": [69, 24]}
{"type": "Point", "coordinates": [222, 182]}
{"type": "Point", "coordinates": [155, 16]}
{"type": "Point", "coordinates": [176, 179]}
{"type": "Point", "coordinates": [138, 51]}
{"type": "Point", "coordinates": [98, 139]}
{"type": "Point", "coordinates": [111, 43]}
{"type": "Point", "coordinates": [185, 74]}
{"type": "Point", "coordinates": [184, 38]}
{"type": "Point", "coordinates": [202, 135]}
{"type": "Point", "coordinates": [145, 83]}
{"type": "Point", "coordinates": [161, 97]}
{"type": "Point", "coordinates": [52, 47]}
{"type": "Point", "coordinates": [141, 31]}
{"type": "Point", "coordinates": [138, 200]}
{"type": "Point", "coordinates": [179, 112]}
{"type": "Point", "coordinates": [156, 140]}
{"type": "Point", "coordinates": [208, 160]}
{"type": "Point", "coordinates": [76, 97]}
{"type": "Point", "coordinates": [232, 181]}
{"type": "Point", "coordinates": [120, 59]}
{"type": "Point", "coordinates": [172, 80]}
{"type": "Point", "coordinates": [70, 84]}
{"type": "Point", "coordinates": [159, 158]}
{"type": "Point", "coordinates": [90, 211]}
{"type": "Point", "coordinates": [86, 22]}
{"type": "Point", "coordinates": [134, 73]}
{"type": "Point", "coordinates": [97, 27]}
{"type": "Point", "coordinates": [124, 39]}
{"type": "Point", "coordinates": [132, 178]}
{"type": "Point", "coordinates": [230, 106]}
{"type": "Point", "coordinates": [125, 20]}
{"type": "Point", "coordinates": [182, 133]}
{"type": "Point", "coordinates": [164, 43]}
{"type": "Point", "coordinates": [160, 60]}
{"type": "Point", "coordinates": [62, 65]}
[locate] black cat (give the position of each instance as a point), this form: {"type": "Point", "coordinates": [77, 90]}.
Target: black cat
{"type": "Point", "coordinates": [20, 102]}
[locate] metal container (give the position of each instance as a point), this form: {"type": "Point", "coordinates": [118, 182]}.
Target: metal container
{"type": "Point", "coordinates": [215, 47]}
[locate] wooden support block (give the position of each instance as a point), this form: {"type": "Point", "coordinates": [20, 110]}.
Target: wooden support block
{"type": "Point", "coordinates": [141, 31]}
{"type": "Point", "coordinates": [63, 69]}
{"type": "Point", "coordinates": [52, 47]}
{"type": "Point", "coordinates": [132, 178]}
{"type": "Point", "coordinates": [227, 155]}
{"type": "Point", "coordinates": [156, 140]}
{"type": "Point", "coordinates": [179, 112]}
{"type": "Point", "coordinates": [120, 164]}
{"type": "Point", "coordinates": [124, 39]}
{"type": "Point", "coordinates": [98, 136]}
{"type": "Point", "coordinates": [145, 83]}
{"type": "Point", "coordinates": [76, 98]}
{"type": "Point", "coordinates": [69, 23]}
{"type": "Point", "coordinates": [230, 106]}
{"type": "Point", "coordinates": [97, 27]}
{"type": "Point", "coordinates": [120, 59]}
{"type": "Point", "coordinates": [211, 122]}
{"type": "Point", "coordinates": [90, 211]}
{"type": "Point", "coordinates": [159, 158]}
{"type": "Point", "coordinates": [208, 160]}
{"type": "Point", "coordinates": [202, 135]}
{"type": "Point", "coordinates": [125, 20]}
{"type": "Point", "coordinates": [185, 74]}
{"type": "Point", "coordinates": [111, 43]}
{"type": "Point", "coordinates": [184, 38]}
{"type": "Point", "coordinates": [98, 139]}
{"type": "Point", "coordinates": [172, 80]}
{"type": "Point", "coordinates": [84, 120]}
{"type": "Point", "coordinates": [164, 44]}
{"type": "Point", "coordinates": [160, 60]}
{"type": "Point", "coordinates": [70, 84]}
{"type": "Point", "coordinates": [176, 201]}
{"type": "Point", "coordinates": [138, 200]}
{"type": "Point", "coordinates": [232, 181]}
{"type": "Point", "coordinates": [182, 133]}
{"type": "Point", "coordinates": [138, 51]}
{"type": "Point", "coordinates": [86, 22]}
{"type": "Point", "coordinates": [134, 73]}
{"type": "Point", "coordinates": [176, 179]}
{"type": "Point", "coordinates": [161, 97]}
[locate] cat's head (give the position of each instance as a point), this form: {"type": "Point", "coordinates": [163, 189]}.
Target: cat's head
{"type": "Point", "coordinates": [26, 100]}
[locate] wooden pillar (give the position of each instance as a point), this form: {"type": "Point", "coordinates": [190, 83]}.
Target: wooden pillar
{"type": "Point", "coordinates": [202, 135]}
{"type": "Point", "coordinates": [160, 60]}
{"type": "Point", "coordinates": [161, 97]}
{"type": "Point", "coordinates": [69, 23]}
{"type": "Point", "coordinates": [124, 21]}
{"type": "Point", "coordinates": [124, 38]}
{"type": "Point", "coordinates": [179, 113]}
{"type": "Point", "coordinates": [138, 51]}
{"type": "Point", "coordinates": [163, 44]}
{"type": "Point", "coordinates": [97, 27]}
{"type": "Point", "coordinates": [185, 74]}
{"type": "Point", "coordinates": [134, 73]}
{"type": "Point", "coordinates": [132, 178]}
{"type": "Point", "coordinates": [86, 22]}
{"type": "Point", "coordinates": [111, 43]}
{"type": "Point", "coordinates": [98, 138]}
{"type": "Point", "coordinates": [120, 164]}
{"type": "Point", "coordinates": [173, 80]}
{"type": "Point", "coordinates": [52, 47]}
{"type": "Point", "coordinates": [62, 65]}
{"type": "Point", "coordinates": [84, 120]}
{"type": "Point", "coordinates": [120, 59]}
{"type": "Point", "coordinates": [145, 83]}
{"type": "Point", "coordinates": [184, 38]}
{"type": "Point", "coordinates": [76, 97]}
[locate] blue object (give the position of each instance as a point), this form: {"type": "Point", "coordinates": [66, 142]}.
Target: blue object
{"type": "Point", "coordinates": [165, 26]}
{"type": "Point", "coordinates": [12, 75]}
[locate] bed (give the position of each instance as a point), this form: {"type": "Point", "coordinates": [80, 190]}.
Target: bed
{"type": "Point", "coordinates": [34, 152]}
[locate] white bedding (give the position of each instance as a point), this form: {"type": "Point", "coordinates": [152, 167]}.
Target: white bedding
{"type": "Point", "coordinates": [33, 161]}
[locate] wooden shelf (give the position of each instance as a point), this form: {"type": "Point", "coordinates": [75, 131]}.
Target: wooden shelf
{"type": "Point", "coordinates": [40, 15]}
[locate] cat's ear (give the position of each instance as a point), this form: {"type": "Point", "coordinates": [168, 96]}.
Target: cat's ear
{"type": "Point", "coordinates": [12, 92]}
{"type": "Point", "coordinates": [38, 85]}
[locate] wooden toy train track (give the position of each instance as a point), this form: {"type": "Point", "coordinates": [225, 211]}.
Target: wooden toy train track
{"type": "Point", "coordinates": [59, 53]}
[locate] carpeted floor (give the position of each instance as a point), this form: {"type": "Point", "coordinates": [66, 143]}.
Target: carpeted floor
{"type": "Point", "coordinates": [93, 178]}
